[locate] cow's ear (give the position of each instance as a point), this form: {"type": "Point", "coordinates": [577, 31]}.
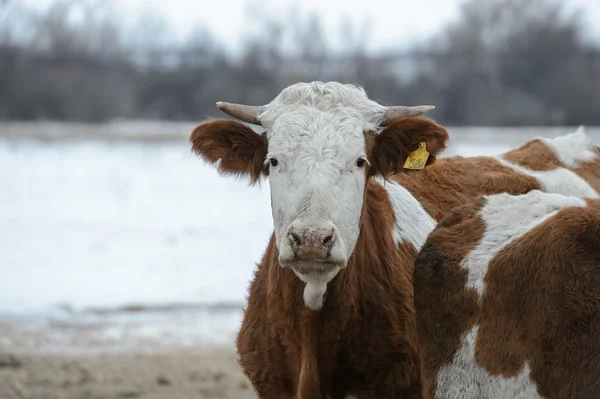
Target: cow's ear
{"type": "Point", "coordinates": [419, 138]}
{"type": "Point", "coordinates": [235, 148]}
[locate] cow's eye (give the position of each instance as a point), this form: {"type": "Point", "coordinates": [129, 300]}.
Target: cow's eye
{"type": "Point", "coordinates": [360, 162]}
{"type": "Point", "coordinates": [273, 161]}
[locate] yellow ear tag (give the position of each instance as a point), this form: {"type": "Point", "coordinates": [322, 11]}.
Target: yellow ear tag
{"type": "Point", "coordinates": [418, 158]}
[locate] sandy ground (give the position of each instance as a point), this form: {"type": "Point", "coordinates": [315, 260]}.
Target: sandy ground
{"type": "Point", "coordinates": [122, 355]}
{"type": "Point", "coordinates": [175, 374]}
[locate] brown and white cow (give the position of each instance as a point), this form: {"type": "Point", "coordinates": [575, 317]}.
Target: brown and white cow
{"type": "Point", "coordinates": [330, 310]}
{"type": "Point", "coordinates": [507, 298]}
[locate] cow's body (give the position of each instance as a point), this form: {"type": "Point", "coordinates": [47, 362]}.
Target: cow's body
{"type": "Point", "coordinates": [363, 338]}
{"type": "Point", "coordinates": [350, 329]}
{"type": "Point", "coordinates": [507, 297]}
{"type": "Point", "coordinates": [364, 332]}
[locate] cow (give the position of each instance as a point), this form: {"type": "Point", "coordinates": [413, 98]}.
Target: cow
{"type": "Point", "coordinates": [356, 187]}
{"type": "Point", "coordinates": [507, 299]}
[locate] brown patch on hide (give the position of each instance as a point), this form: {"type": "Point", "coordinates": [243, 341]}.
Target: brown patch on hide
{"type": "Point", "coordinates": [454, 181]}
{"type": "Point", "coordinates": [590, 171]}
{"type": "Point", "coordinates": [445, 309]}
{"type": "Point", "coordinates": [534, 155]}
{"type": "Point", "coordinates": [390, 148]}
{"type": "Point", "coordinates": [240, 150]}
{"type": "Point", "coordinates": [542, 306]}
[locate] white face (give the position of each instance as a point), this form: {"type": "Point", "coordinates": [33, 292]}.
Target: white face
{"type": "Point", "coordinates": [317, 179]}
{"type": "Point", "coordinates": [317, 161]}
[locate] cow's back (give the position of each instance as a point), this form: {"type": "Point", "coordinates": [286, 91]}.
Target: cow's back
{"type": "Point", "coordinates": [507, 297]}
{"type": "Point", "coordinates": [568, 165]}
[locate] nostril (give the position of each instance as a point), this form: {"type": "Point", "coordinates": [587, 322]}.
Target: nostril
{"type": "Point", "coordinates": [295, 239]}
{"type": "Point", "coordinates": [328, 240]}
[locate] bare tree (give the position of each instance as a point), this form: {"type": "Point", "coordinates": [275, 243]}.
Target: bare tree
{"type": "Point", "coordinates": [503, 62]}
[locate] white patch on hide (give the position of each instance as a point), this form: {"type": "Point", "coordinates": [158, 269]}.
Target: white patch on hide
{"type": "Point", "coordinates": [506, 218]}
{"type": "Point", "coordinates": [316, 287]}
{"type": "Point", "coordinates": [572, 149]}
{"type": "Point", "coordinates": [465, 379]}
{"type": "Point", "coordinates": [413, 224]}
{"type": "Point", "coordinates": [559, 181]}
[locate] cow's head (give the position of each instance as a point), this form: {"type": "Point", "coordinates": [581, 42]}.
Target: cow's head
{"type": "Point", "coordinates": [322, 141]}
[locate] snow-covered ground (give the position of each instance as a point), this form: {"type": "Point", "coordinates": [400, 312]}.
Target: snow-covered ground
{"type": "Point", "coordinates": [105, 224]}
{"type": "Point", "coordinates": [89, 226]}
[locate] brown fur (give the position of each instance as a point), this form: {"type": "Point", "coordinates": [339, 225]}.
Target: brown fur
{"type": "Point", "coordinates": [241, 150]}
{"type": "Point", "coordinates": [541, 304]}
{"type": "Point", "coordinates": [392, 145]}
{"type": "Point", "coordinates": [534, 155]}
{"type": "Point", "coordinates": [445, 310]}
{"type": "Point", "coordinates": [453, 181]}
{"type": "Point", "coordinates": [590, 172]}
{"type": "Point", "coordinates": [362, 340]}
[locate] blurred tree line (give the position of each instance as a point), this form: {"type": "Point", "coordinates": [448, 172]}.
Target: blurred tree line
{"type": "Point", "coordinates": [503, 62]}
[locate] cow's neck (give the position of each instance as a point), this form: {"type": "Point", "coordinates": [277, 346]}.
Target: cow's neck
{"type": "Point", "coordinates": [392, 217]}
{"type": "Point", "coordinates": [320, 335]}
{"type": "Point", "coordinates": [412, 223]}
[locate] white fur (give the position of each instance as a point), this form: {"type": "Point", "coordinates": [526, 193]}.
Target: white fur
{"type": "Point", "coordinates": [506, 218]}
{"type": "Point", "coordinates": [572, 149]}
{"type": "Point", "coordinates": [315, 131]}
{"type": "Point", "coordinates": [465, 379]}
{"type": "Point", "coordinates": [315, 288]}
{"type": "Point", "coordinates": [413, 223]}
{"type": "Point", "coordinates": [350, 100]}
{"type": "Point", "coordinates": [559, 181]}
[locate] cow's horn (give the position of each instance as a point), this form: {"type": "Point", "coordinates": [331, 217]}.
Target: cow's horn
{"type": "Point", "coordinates": [246, 113]}
{"type": "Point", "coordinates": [399, 111]}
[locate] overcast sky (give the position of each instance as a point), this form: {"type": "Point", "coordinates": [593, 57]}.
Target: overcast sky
{"type": "Point", "coordinates": [394, 22]}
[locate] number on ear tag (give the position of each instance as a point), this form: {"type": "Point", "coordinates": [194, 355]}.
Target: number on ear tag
{"type": "Point", "coordinates": [418, 158]}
